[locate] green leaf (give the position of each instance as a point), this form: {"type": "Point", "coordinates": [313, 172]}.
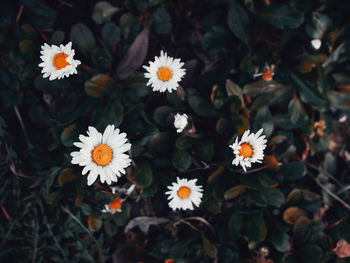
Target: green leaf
{"type": "Point", "coordinates": [280, 241]}
{"type": "Point", "coordinates": [320, 25]}
{"type": "Point", "coordinates": [233, 89]}
{"type": "Point", "coordinates": [57, 37]}
{"type": "Point", "coordinates": [238, 22]}
{"type": "Point", "coordinates": [218, 37]}
{"type": "Point", "coordinates": [101, 57]}
{"type": "Point", "coordinates": [234, 225]}
{"type": "Point", "coordinates": [293, 170]}
{"type": "Point", "coordinates": [82, 38]}
{"type": "Point", "coordinates": [274, 197]}
{"type": "Point", "coordinates": [158, 145]}
{"type": "Point", "coordinates": [339, 100]}
{"type": "Point", "coordinates": [255, 229]}
{"type": "Point", "coordinates": [143, 174]}
{"type": "Point", "coordinates": [113, 113]}
{"type": "Point", "coordinates": [103, 12]}
{"type": "Point", "coordinates": [310, 253]}
{"type": "Point", "coordinates": [306, 93]}
{"type": "Point", "coordinates": [294, 109]}
{"type": "Point", "coordinates": [161, 114]}
{"type": "Point", "coordinates": [302, 229]}
{"type": "Point", "coordinates": [202, 107]}
{"type": "Point", "coordinates": [129, 25]}
{"type": "Point", "coordinates": [98, 85]}
{"type": "Point", "coordinates": [209, 248]}
{"type": "Point", "coordinates": [68, 135]}
{"type": "Point", "coordinates": [181, 160]}
{"type": "Point", "coordinates": [184, 142]}
{"type": "Point", "coordinates": [43, 16]}
{"type": "Point", "coordinates": [283, 16]}
{"type": "Point", "coordinates": [110, 33]}
{"type": "Point", "coordinates": [205, 150]}
{"type": "Point", "coordinates": [161, 21]}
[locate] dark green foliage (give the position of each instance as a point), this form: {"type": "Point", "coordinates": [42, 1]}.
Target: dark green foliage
{"type": "Point", "coordinates": [291, 208]}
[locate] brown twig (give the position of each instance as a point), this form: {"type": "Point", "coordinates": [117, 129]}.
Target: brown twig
{"type": "Point", "coordinates": [325, 173]}
{"type": "Point", "coordinates": [19, 117]}
{"type": "Point", "coordinates": [256, 170]}
{"type": "Point", "coordinates": [330, 192]}
{"type": "Point", "coordinates": [43, 35]}
{"type": "Point", "coordinates": [5, 213]}
{"type": "Point", "coordinates": [88, 69]}
{"type": "Point", "coordinates": [19, 14]}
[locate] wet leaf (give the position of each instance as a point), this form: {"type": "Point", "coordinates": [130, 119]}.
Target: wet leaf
{"type": "Point", "coordinates": [135, 55]}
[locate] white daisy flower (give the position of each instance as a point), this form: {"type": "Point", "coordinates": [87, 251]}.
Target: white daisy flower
{"type": "Point", "coordinates": [184, 193]}
{"type": "Point", "coordinates": [250, 149]}
{"type": "Point", "coordinates": [113, 207]}
{"type": "Point", "coordinates": [316, 44]}
{"type": "Point", "coordinates": [164, 73]}
{"type": "Point", "coordinates": [102, 154]}
{"type": "Point", "coordinates": [58, 62]}
{"type": "Point", "coordinates": [180, 122]}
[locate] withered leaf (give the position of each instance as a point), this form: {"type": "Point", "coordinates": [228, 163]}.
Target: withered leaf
{"type": "Point", "coordinates": [144, 223]}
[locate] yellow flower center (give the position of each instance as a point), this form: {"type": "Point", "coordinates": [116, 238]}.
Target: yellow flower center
{"type": "Point", "coordinates": [59, 61]}
{"type": "Point", "coordinates": [116, 204]}
{"type": "Point", "coordinates": [246, 150]}
{"type": "Point", "coordinates": [164, 73]}
{"type": "Point", "coordinates": [184, 192]}
{"type": "Point", "coordinates": [102, 154]}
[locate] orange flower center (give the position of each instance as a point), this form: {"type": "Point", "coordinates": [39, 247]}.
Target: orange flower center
{"type": "Point", "coordinates": [169, 260]}
{"type": "Point", "coordinates": [102, 154]}
{"type": "Point", "coordinates": [116, 204]}
{"type": "Point", "coordinates": [184, 192]}
{"type": "Point", "coordinates": [246, 150]}
{"type": "Point", "coordinates": [164, 73]}
{"type": "Point", "coordinates": [59, 61]}
{"type": "Point", "coordinates": [267, 75]}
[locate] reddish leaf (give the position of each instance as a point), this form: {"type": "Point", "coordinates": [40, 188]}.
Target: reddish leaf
{"type": "Point", "coordinates": [342, 250]}
{"type": "Point", "coordinates": [135, 55]}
